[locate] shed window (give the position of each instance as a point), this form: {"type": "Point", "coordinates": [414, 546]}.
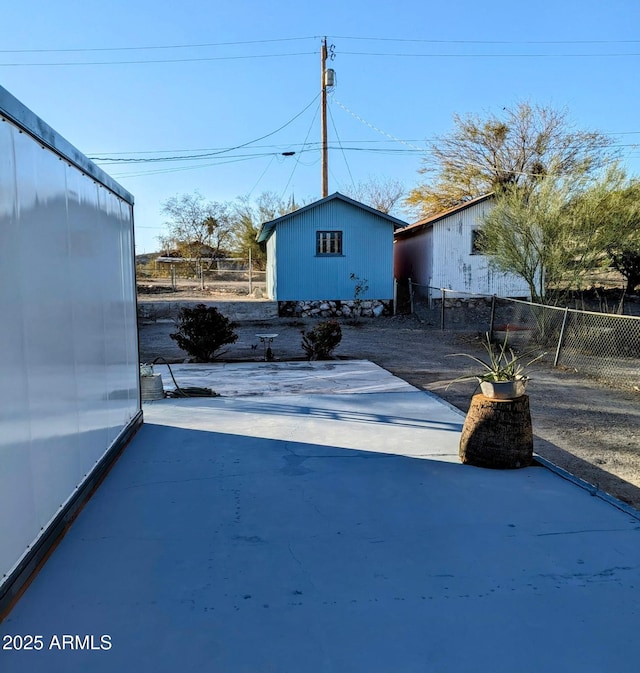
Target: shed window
{"type": "Point", "coordinates": [328, 242]}
{"type": "Point", "coordinates": [476, 242]}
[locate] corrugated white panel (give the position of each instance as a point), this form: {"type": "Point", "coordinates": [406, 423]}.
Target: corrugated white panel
{"type": "Point", "coordinates": [272, 279]}
{"type": "Point", "coordinates": [440, 255]}
{"type": "Point", "coordinates": [456, 267]}
{"type": "Point", "coordinates": [67, 332]}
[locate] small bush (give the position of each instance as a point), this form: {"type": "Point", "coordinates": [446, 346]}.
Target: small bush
{"type": "Point", "coordinates": [203, 331]}
{"type": "Point", "coordinates": [318, 343]}
{"type": "Point", "coordinates": [361, 288]}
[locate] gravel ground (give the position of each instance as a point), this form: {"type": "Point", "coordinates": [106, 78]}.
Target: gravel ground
{"type": "Point", "coordinates": [580, 425]}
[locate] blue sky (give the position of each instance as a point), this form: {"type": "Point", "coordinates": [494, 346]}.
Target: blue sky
{"type": "Point", "coordinates": [403, 70]}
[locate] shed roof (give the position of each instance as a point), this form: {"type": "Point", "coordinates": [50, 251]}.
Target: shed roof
{"type": "Point", "coordinates": [266, 228]}
{"type": "Point", "coordinates": [432, 219]}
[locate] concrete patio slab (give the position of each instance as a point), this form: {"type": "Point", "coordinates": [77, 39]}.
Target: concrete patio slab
{"type": "Point", "coordinates": [331, 533]}
{"type": "Point", "coordinates": [268, 378]}
{"type": "Point", "coordinates": [415, 424]}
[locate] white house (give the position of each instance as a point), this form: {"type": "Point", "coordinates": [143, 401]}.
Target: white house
{"type": "Point", "coordinates": [441, 252]}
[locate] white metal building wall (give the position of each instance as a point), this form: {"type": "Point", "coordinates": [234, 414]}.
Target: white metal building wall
{"type": "Point", "coordinates": [455, 266]}
{"type": "Point", "coordinates": [271, 275]}
{"type": "Point", "coordinates": [68, 332]}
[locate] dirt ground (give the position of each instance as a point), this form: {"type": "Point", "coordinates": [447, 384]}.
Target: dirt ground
{"type": "Point", "coordinates": [589, 430]}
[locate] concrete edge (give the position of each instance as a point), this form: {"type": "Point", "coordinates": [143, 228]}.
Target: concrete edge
{"type": "Point", "coordinates": [561, 472]}
{"type": "Point", "coordinates": [437, 398]}
{"type": "Point", "coordinates": [585, 485]}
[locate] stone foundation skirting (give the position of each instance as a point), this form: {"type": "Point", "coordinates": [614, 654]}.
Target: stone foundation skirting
{"type": "Point", "coordinates": [463, 302]}
{"type": "Point", "coordinates": [371, 308]}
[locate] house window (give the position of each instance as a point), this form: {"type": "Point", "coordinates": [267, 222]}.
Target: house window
{"type": "Point", "coordinates": [328, 242]}
{"type": "Point", "coordinates": [477, 242]}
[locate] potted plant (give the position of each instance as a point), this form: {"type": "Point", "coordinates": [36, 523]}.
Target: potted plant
{"type": "Point", "coordinates": [503, 374]}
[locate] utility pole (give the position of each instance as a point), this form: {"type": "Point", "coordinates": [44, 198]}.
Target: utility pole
{"type": "Point", "coordinates": [323, 119]}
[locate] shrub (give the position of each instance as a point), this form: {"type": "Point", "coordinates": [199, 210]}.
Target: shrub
{"type": "Point", "coordinates": [361, 287]}
{"type": "Point", "coordinates": [318, 343]}
{"type": "Point", "coordinates": [203, 331]}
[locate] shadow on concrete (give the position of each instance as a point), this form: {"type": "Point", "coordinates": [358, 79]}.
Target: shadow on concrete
{"type": "Point", "coordinates": [213, 551]}
{"type": "Point", "coordinates": [248, 406]}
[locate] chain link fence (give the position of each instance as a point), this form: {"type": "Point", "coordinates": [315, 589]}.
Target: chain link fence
{"type": "Point", "coordinates": [228, 274]}
{"type": "Point", "coordinates": [604, 346]}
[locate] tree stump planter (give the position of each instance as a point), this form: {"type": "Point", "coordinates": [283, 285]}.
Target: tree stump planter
{"type": "Point", "coordinates": [497, 433]}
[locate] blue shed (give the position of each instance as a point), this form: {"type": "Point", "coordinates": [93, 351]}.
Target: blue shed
{"type": "Point", "coordinates": [317, 253]}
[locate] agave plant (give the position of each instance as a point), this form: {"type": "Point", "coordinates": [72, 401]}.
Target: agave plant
{"type": "Point", "coordinates": [501, 365]}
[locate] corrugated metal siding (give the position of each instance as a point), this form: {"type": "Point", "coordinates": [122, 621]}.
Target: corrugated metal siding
{"type": "Point", "coordinates": [367, 245]}
{"type": "Point", "coordinates": [440, 255]}
{"type": "Point", "coordinates": [272, 287]}
{"type": "Point", "coordinates": [454, 267]}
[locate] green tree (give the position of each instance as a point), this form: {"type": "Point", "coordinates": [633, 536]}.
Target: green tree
{"type": "Point", "coordinates": [247, 216]}
{"type": "Point", "coordinates": [521, 235]}
{"type": "Point", "coordinates": [552, 234]}
{"type": "Point", "coordinates": [605, 215]}
{"type": "Point", "coordinates": [199, 230]}
{"type": "Point", "coordinates": [624, 253]}
{"type": "Point", "coordinates": [626, 261]}
{"type": "Point", "coordinates": [514, 148]}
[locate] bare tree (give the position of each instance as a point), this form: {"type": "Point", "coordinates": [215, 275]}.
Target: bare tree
{"type": "Point", "coordinates": [517, 147]}
{"type": "Point", "coordinates": [383, 194]}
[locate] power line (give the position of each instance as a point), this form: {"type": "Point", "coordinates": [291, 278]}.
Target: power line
{"type": "Point", "coordinates": [430, 41]}
{"type": "Point", "coordinates": [309, 53]}
{"type": "Point", "coordinates": [250, 157]}
{"type": "Point", "coordinates": [477, 55]}
{"type": "Point", "coordinates": [264, 172]}
{"type": "Point", "coordinates": [375, 128]}
{"type": "Point", "coordinates": [167, 60]}
{"type": "Point", "coordinates": [344, 156]}
{"type": "Point", "coordinates": [312, 147]}
{"type": "Point", "coordinates": [342, 148]}
{"type": "Point", "coordinates": [317, 142]}
{"type": "Point", "coordinates": [216, 149]}
{"type": "Point", "coordinates": [152, 47]}
{"type": "Point", "coordinates": [210, 154]}
{"type": "Point", "coordinates": [178, 169]}
{"type": "Point", "coordinates": [474, 55]}
{"type": "Point", "coordinates": [295, 165]}
{"type": "Point", "coordinates": [201, 45]}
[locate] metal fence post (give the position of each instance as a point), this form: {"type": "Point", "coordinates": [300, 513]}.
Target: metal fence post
{"type": "Point", "coordinates": [250, 273]}
{"type": "Point", "coordinates": [493, 316]}
{"type": "Point", "coordinates": [442, 292]}
{"type": "Point", "coordinates": [411, 295]}
{"type": "Point", "coordinates": [395, 296]}
{"type": "Point", "coordinates": [561, 337]}
{"type": "Point", "coordinates": [200, 270]}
